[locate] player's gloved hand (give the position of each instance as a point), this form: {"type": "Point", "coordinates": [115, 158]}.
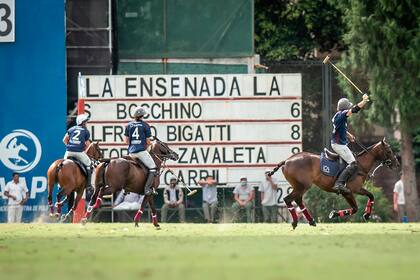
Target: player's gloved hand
{"type": "Point", "coordinates": [365, 97]}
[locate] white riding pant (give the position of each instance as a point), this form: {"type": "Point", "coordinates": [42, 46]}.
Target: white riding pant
{"type": "Point", "coordinates": [146, 158]}
{"type": "Point", "coordinates": [83, 157]}
{"type": "Point", "coordinates": [344, 152]}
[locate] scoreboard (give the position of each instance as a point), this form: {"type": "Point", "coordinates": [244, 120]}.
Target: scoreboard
{"type": "Point", "coordinates": [227, 126]}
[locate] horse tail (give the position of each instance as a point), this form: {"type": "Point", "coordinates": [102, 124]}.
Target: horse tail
{"type": "Point", "coordinates": [52, 180]}
{"type": "Point", "coordinates": [276, 168]}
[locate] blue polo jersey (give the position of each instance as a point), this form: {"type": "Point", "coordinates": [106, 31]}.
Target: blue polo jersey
{"type": "Point", "coordinates": [137, 133]}
{"type": "Point", "coordinates": [78, 135]}
{"type": "Point", "coordinates": [339, 134]}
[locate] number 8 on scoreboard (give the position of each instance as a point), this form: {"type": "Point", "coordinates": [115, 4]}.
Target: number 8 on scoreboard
{"type": "Point", "coordinates": [7, 21]}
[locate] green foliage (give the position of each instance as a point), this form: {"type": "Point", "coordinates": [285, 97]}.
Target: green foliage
{"type": "Point", "coordinates": [290, 29]}
{"type": "Point", "coordinates": [321, 203]}
{"type": "Point", "coordinates": [383, 39]}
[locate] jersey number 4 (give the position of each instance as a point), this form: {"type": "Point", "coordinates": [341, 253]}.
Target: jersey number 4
{"type": "Point", "coordinates": [135, 133]}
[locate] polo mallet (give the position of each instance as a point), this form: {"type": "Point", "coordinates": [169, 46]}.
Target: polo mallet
{"type": "Point", "coordinates": [327, 60]}
{"type": "Point", "coordinates": [190, 192]}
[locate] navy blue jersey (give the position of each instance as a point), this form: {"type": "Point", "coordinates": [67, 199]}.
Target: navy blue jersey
{"type": "Point", "coordinates": [339, 134]}
{"type": "Point", "coordinates": [137, 133]}
{"type": "Point", "coordinates": [78, 135]}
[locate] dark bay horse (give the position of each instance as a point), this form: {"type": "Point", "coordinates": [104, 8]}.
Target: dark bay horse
{"type": "Point", "coordinates": [302, 170]}
{"type": "Point", "coordinates": [125, 173]}
{"type": "Point", "coordinates": [68, 175]}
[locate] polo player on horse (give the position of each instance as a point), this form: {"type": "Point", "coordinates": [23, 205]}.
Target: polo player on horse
{"type": "Point", "coordinates": [339, 141]}
{"type": "Point", "coordinates": [137, 136]}
{"type": "Point", "coordinates": [76, 140]}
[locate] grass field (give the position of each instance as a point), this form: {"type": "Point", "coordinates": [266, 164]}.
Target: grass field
{"type": "Point", "coordinates": [224, 251]}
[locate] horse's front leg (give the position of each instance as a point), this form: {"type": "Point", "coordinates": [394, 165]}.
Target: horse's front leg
{"type": "Point", "coordinates": [94, 203]}
{"type": "Point", "coordinates": [369, 204]}
{"type": "Point", "coordinates": [346, 212]}
{"type": "Point", "coordinates": [154, 212]}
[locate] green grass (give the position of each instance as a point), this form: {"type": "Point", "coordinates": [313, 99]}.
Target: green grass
{"type": "Point", "coordinates": [224, 251]}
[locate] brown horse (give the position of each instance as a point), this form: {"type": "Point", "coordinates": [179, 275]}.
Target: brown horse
{"type": "Point", "coordinates": [125, 173]}
{"type": "Point", "coordinates": [68, 175]}
{"type": "Point", "coordinates": [302, 170]}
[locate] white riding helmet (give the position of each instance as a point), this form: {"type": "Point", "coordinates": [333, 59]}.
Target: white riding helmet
{"type": "Point", "coordinates": [82, 119]}
{"type": "Point", "coordinates": [140, 112]}
{"type": "Point", "coordinates": [344, 104]}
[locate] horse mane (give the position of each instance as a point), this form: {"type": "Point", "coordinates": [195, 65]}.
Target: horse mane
{"type": "Point", "coordinates": [367, 150]}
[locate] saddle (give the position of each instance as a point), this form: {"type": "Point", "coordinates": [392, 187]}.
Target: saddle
{"type": "Point", "coordinates": [331, 164]}
{"type": "Point", "coordinates": [79, 164]}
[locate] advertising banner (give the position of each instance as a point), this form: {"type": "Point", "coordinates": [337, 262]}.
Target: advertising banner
{"type": "Point", "coordinates": [33, 99]}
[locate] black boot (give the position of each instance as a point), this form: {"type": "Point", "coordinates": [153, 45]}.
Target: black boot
{"type": "Point", "coordinates": [149, 183]}
{"type": "Point", "coordinates": [89, 188]}
{"type": "Point", "coordinates": [340, 184]}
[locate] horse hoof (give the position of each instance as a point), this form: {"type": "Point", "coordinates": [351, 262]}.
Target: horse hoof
{"type": "Point", "coordinates": [366, 217]}
{"type": "Point", "coordinates": [294, 224]}
{"type": "Point", "coordinates": [157, 227]}
{"type": "Point", "coordinates": [312, 223]}
{"type": "Point", "coordinates": [83, 221]}
{"type": "Point", "coordinates": [332, 214]}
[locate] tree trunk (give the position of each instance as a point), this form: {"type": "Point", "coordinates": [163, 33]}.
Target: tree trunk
{"type": "Point", "coordinates": [408, 169]}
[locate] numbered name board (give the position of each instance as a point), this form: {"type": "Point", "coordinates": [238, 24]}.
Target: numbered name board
{"type": "Point", "coordinates": [7, 21]}
{"type": "Point", "coordinates": [227, 126]}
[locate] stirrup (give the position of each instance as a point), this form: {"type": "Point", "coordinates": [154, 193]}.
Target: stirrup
{"type": "Point", "coordinates": [148, 191]}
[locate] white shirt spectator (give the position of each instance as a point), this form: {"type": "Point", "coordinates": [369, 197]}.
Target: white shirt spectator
{"type": "Point", "coordinates": [399, 189]}
{"type": "Point", "coordinates": [270, 195]}
{"type": "Point", "coordinates": [172, 195]}
{"type": "Point", "coordinates": [210, 193]}
{"type": "Point", "coordinates": [18, 190]}
{"type": "Point", "coordinates": [243, 191]}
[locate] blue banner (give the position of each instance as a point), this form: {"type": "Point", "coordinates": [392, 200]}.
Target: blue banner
{"type": "Point", "coordinates": [33, 100]}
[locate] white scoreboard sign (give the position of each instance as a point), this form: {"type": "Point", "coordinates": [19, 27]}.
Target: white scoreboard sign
{"type": "Point", "coordinates": [7, 21]}
{"type": "Point", "coordinates": [227, 126]}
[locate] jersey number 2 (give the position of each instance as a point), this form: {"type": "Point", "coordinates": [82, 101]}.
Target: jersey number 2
{"type": "Point", "coordinates": [76, 135]}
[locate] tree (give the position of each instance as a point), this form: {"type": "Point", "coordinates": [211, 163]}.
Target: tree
{"type": "Point", "coordinates": [291, 29]}
{"type": "Point", "coordinates": [383, 39]}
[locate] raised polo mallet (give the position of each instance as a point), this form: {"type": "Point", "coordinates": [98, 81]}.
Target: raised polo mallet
{"type": "Point", "coordinates": [190, 192]}
{"type": "Point", "coordinates": [327, 60]}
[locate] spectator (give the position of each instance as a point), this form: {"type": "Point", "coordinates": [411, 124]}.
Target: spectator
{"type": "Point", "coordinates": [243, 195]}
{"type": "Point", "coordinates": [173, 197]}
{"type": "Point", "coordinates": [128, 201]}
{"type": "Point", "coordinates": [268, 190]}
{"type": "Point", "coordinates": [209, 198]}
{"type": "Point", "coordinates": [18, 194]}
{"type": "Point", "coordinates": [399, 200]}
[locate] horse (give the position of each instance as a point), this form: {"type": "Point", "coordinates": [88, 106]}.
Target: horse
{"type": "Point", "coordinates": [68, 175]}
{"type": "Point", "coordinates": [302, 170]}
{"type": "Point", "coordinates": [125, 173]}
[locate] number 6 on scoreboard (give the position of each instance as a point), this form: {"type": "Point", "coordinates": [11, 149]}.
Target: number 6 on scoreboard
{"type": "Point", "coordinates": [7, 21]}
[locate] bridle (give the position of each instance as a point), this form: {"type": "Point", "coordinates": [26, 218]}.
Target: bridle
{"type": "Point", "coordinates": [98, 160]}
{"type": "Point", "coordinates": [385, 161]}
{"type": "Point", "coordinates": [162, 157]}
